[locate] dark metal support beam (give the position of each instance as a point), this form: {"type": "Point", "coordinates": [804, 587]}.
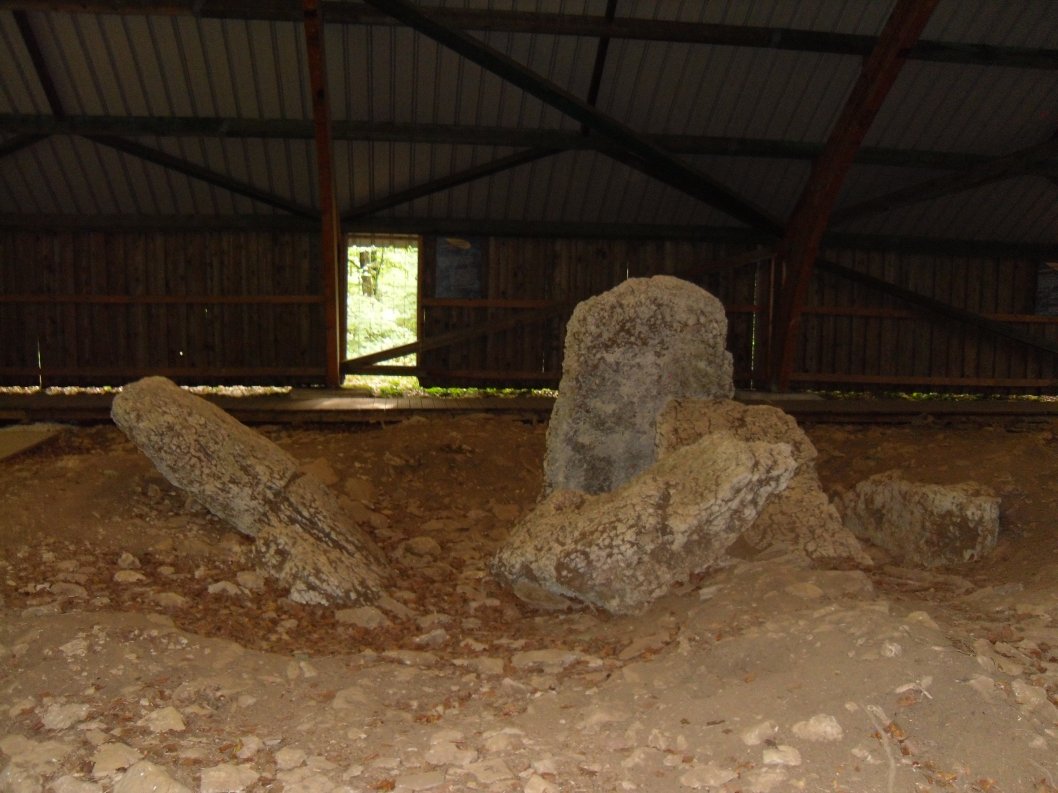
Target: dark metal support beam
{"type": "Point", "coordinates": [331, 247]}
{"type": "Point", "coordinates": [18, 143]}
{"type": "Point", "coordinates": [929, 246]}
{"type": "Point", "coordinates": [599, 67]}
{"type": "Point", "coordinates": [204, 174]}
{"type": "Point", "coordinates": [804, 230]}
{"type": "Point", "coordinates": [446, 183]}
{"type": "Point", "coordinates": [643, 154]}
{"type": "Point", "coordinates": [286, 129]}
{"type": "Point", "coordinates": [642, 29]}
{"type": "Point", "coordinates": [40, 66]}
{"type": "Point", "coordinates": [1019, 163]}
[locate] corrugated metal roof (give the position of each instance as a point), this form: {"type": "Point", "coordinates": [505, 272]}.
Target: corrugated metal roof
{"type": "Point", "coordinates": [1023, 209]}
{"type": "Point", "coordinates": [985, 110]}
{"type": "Point", "coordinates": [1027, 23]}
{"type": "Point", "coordinates": [165, 66]}
{"type": "Point", "coordinates": [690, 89]}
{"type": "Point", "coordinates": [858, 17]}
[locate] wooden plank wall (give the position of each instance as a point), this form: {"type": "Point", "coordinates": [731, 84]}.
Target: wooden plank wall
{"type": "Point", "coordinates": [855, 339]}
{"type": "Point", "coordinates": [852, 338]}
{"type": "Point", "coordinates": [525, 274]}
{"type": "Point", "coordinates": [104, 308]}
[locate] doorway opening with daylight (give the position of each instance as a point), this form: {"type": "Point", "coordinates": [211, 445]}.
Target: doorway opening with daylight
{"type": "Point", "coordinates": [382, 286]}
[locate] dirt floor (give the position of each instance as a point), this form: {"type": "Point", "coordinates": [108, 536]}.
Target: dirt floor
{"type": "Point", "coordinates": [134, 633]}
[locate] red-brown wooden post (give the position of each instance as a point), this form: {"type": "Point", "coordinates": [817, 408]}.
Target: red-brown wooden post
{"type": "Point", "coordinates": [331, 221]}
{"type": "Point", "coordinates": [804, 230]}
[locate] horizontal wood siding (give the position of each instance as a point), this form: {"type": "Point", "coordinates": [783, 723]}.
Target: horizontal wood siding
{"type": "Point", "coordinates": [224, 307]}
{"type": "Point", "coordinates": [854, 338]}
{"type": "Point", "coordinates": [526, 274]}
{"type": "Point", "coordinates": [104, 308]}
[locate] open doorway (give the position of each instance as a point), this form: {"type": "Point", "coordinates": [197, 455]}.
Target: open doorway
{"type": "Point", "coordinates": [381, 295]}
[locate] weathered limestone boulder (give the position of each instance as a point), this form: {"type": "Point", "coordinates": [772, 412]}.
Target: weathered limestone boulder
{"type": "Point", "coordinates": [800, 517]}
{"type": "Point", "coordinates": [627, 352]}
{"type": "Point", "coordinates": [923, 524]}
{"type": "Point", "coordinates": [623, 549]}
{"type": "Point", "coordinates": [302, 537]}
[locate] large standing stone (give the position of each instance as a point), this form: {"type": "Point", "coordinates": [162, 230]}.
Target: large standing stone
{"type": "Point", "coordinates": [801, 516]}
{"type": "Point", "coordinates": [623, 549]}
{"type": "Point", "coordinates": [301, 535]}
{"type": "Point", "coordinates": [628, 351]}
{"type": "Point", "coordinates": [923, 524]}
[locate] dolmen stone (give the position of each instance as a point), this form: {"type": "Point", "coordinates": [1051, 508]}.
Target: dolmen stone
{"type": "Point", "coordinates": [627, 352]}
{"type": "Point", "coordinates": [921, 524]}
{"type": "Point", "coordinates": [301, 536]}
{"type": "Point", "coordinates": [621, 550]}
{"type": "Point", "coordinates": [801, 517]}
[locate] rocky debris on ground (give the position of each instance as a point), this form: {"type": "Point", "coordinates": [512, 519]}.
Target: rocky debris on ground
{"type": "Point", "coordinates": [800, 516]}
{"type": "Point", "coordinates": [622, 550]}
{"type": "Point", "coordinates": [301, 535]}
{"type": "Point", "coordinates": [778, 677]}
{"type": "Point", "coordinates": [627, 352]}
{"type": "Point", "coordinates": [937, 681]}
{"type": "Point", "coordinates": [923, 524]}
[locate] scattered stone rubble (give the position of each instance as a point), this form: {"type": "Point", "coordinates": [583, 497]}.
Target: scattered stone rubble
{"type": "Point", "coordinates": [927, 525]}
{"type": "Point", "coordinates": [627, 352]}
{"type": "Point", "coordinates": [301, 535]}
{"type": "Point", "coordinates": [711, 690]}
{"type": "Point", "coordinates": [798, 517]}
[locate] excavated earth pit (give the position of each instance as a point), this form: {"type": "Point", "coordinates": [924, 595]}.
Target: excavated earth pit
{"type": "Point", "coordinates": [134, 634]}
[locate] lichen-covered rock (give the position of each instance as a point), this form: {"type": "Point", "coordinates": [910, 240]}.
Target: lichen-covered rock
{"type": "Point", "coordinates": [301, 535]}
{"type": "Point", "coordinates": [923, 524]}
{"type": "Point", "coordinates": [623, 549]}
{"type": "Point", "coordinates": [627, 352]}
{"type": "Point", "coordinates": [800, 517]}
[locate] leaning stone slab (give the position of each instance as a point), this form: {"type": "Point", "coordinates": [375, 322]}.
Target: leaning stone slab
{"type": "Point", "coordinates": [923, 524]}
{"type": "Point", "coordinates": [623, 549]}
{"type": "Point", "coordinates": [302, 537]}
{"type": "Point", "coordinates": [801, 517]}
{"type": "Point", "coordinates": [627, 352]}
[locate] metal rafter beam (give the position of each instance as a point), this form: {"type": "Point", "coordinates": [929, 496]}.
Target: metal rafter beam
{"type": "Point", "coordinates": [331, 223]}
{"type": "Point", "coordinates": [202, 173]}
{"type": "Point", "coordinates": [642, 153]}
{"type": "Point", "coordinates": [288, 129]}
{"type": "Point", "coordinates": [642, 29]}
{"type": "Point", "coordinates": [18, 143]}
{"type": "Point", "coordinates": [808, 222]}
{"type": "Point", "coordinates": [930, 246]}
{"type": "Point", "coordinates": [599, 67]}
{"type": "Point", "coordinates": [446, 183]}
{"type": "Point", "coordinates": [40, 66]}
{"type": "Point", "coordinates": [1019, 163]}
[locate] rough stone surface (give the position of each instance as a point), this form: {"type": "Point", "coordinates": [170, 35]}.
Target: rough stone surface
{"type": "Point", "coordinates": [922, 524]}
{"type": "Point", "coordinates": [301, 536]}
{"type": "Point", "coordinates": [800, 517]}
{"type": "Point", "coordinates": [146, 777]}
{"type": "Point", "coordinates": [627, 352]}
{"type": "Point", "coordinates": [622, 550]}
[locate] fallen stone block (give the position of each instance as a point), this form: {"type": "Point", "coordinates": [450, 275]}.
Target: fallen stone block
{"type": "Point", "coordinates": [800, 517]}
{"type": "Point", "coordinates": [302, 536]}
{"type": "Point", "coordinates": [627, 352]}
{"type": "Point", "coordinates": [923, 524]}
{"type": "Point", "coordinates": [623, 549]}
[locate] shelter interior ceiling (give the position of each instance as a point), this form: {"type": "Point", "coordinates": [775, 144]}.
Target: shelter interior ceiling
{"type": "Point", "coordinates": [155, 112]}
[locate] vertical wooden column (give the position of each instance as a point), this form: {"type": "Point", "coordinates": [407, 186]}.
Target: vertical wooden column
{"type": "Point", "coordinates": [804, 231]}
{"type": "Point", "coordinates": [331, 243]}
